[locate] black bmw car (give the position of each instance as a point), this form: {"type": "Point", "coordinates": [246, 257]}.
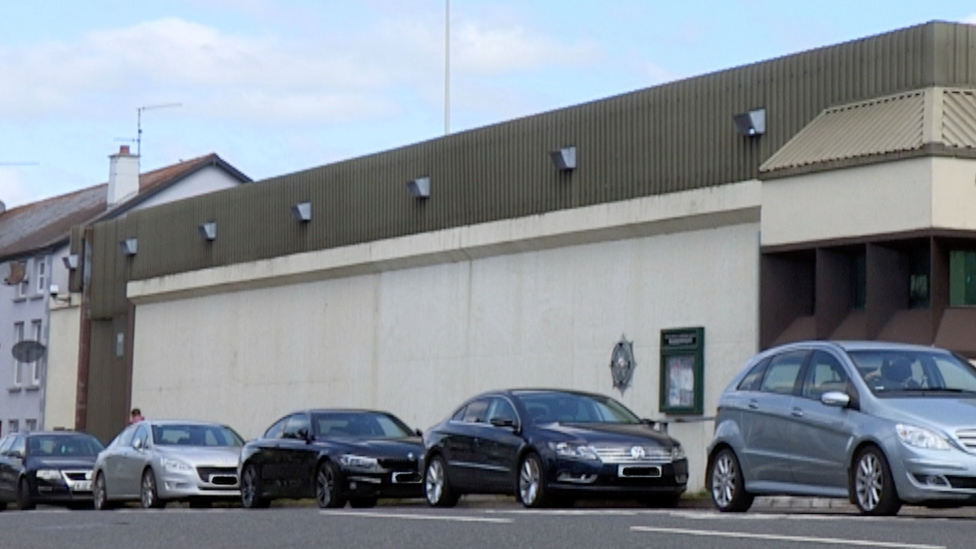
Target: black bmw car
{"type": "Point", "coordinates": [335, 456]}
{"type": "Point", "coordinates": [47, 467]}
{"type": "Point", "coordinates": [550, 447]}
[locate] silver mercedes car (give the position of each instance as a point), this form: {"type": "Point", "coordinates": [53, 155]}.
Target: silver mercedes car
{"type": "Point", "coordinates": [881, 424]}
{"type": "Point", "coordinates": [155, 462]}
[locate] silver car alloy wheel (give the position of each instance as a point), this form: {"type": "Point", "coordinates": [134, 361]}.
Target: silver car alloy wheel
{"type": "Point", "coordinates": [101, 498]}
{"type": "Point", "coordinates": [868, 481]}
{"type": "Point", "coordinates": [249, 490]}
{"type": "Point", "coordinates": [434, 482]}
{"type": "Point", "coordinates": [723, 480]}
{"type": "Point", "coordinates": [148, 490]}
{"type": "Point", "coordinates": [325, 489]}
{"type": "Point", "coordinates": [529, 479]}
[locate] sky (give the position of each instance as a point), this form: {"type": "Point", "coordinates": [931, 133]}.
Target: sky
{"type": "Point", "coordinates": [277, 86]}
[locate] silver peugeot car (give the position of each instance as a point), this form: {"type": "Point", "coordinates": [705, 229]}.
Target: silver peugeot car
{"type": "Point", "coordinates": [881, 424]}
{"type": "Point", "coordinates": [155, 462]}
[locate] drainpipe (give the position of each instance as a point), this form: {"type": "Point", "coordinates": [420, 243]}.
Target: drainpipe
{"type": "Point", "coordinates": [84, 338]}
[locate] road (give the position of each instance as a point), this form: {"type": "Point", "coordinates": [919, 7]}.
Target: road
{"type": "Point", "coordinates": [477, 527]}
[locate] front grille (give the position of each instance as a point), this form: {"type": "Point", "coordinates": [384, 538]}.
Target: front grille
{"type": "Point", "coordinates": [968, 438]}
{"type": "Point", "coordinates": [625, 454]}
{"type": "Point", "coordinates": [77, 475]}
{"type": "Point", "coordinates": [398, 464]}
{"type": "Point", "coordinates": [223, 476]}
{"type": "Point", "coordinates": [966, 483]}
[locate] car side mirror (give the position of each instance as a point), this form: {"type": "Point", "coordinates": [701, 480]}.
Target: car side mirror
{"type": "Point", "coordinates": [419, 432]}
{"type": "Point", "coordinates": [137, 444]}
{"type": "Point", "coordinates": [17, 454]}
{"type": "Point", "coordinates": [836, 398]}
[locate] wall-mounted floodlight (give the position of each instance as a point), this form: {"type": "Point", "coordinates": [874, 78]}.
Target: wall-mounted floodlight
{"type": "Point", "coordinates": [70, 261]}
{"type": "Point", "coordinates": [302, 211]}
{"type": "Point", "coordinates": [209, 230]}
{"type": "Point", "coordinates": [750, 123]}
{"type": "Point", "coordinates": [564, 158]}
{"type": "Point", "coordinates": [419, 188]}
{"type": "Point", "coordinates": [129, 246]}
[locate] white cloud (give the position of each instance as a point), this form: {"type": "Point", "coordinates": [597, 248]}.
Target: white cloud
{"type": "Point", "coordinates": [970, 19]}
{"type": "Point", "coordinates": [338, 75]}
{"type": "Point", "coordinates": [13, 191]}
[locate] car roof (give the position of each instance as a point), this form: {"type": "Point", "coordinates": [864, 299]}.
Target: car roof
{"type": "Point", "coordinates": [855, 345]}
{"type": "Point", "coordinates": [53, 433]}
{"type": "Point", "coordinates": [342, 410]}
{"type": "Point", "coordinates": [537, 390]}
{"type": "Point", "coordinates": [165, 422]}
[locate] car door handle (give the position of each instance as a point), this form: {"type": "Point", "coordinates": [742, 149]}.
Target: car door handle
{"type": "Point", "coordinates": [797, 412]}
{"type": "Point", "coordinates": [753, 404]}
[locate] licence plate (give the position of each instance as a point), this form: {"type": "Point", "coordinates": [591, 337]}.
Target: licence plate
{"type": "Point", "coordinates": [81, 486]}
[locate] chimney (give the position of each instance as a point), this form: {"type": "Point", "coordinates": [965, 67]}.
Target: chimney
{"type": "Point", "coordinates": [123, 176]}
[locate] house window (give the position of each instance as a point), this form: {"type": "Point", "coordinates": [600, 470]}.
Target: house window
{"type": "Point", "coordinates": [919, 266]}
{"type": "Point", "coordinates": [40, 267]}
{"type": "Point", "coordinates": [30, 425]}
{"type": "Point", "coordinates": [18, 337]}
{"type": "Point", "coordinates": [36, 365]}
{"type": "Point", "coordinates": [24, 285]}
{"type": "Point", "coordinates": [962, 278]}
{"type": "Point", "coordinates": [14, 425]}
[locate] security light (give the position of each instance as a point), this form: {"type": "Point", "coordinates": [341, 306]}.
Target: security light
{"type": "Point", "coordinates": [209, 230]}
{"type": "Point", "coordinates": [419, 188]}
{"type": "Point", "coordinates": [129, 246]}
{"type": "Point", "coordinates": [564, 158]}
{"type": "Point", "coordinates": [302, 211]}
{"type": "Point", "coordinates": [751, 123]}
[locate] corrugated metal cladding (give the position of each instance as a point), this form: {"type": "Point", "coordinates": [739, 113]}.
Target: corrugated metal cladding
{"type": "Point", "coordinates": [668, 138]}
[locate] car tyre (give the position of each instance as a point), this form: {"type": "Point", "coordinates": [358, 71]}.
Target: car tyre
{"type": "Point", "coordinates": [531, 482]}
{"type": "Point", "coordinates": [251, 489]}
{"type": "Point", "coordinates": [362, 503]}
{"type": "Point", "coordinates": [149, 495]}
{"type": "Point", "coordinates": [726, 483]}
{"type": "Point", "coordinates": [872, 484]}
{"type": "Point", "coordinates": [100, 500]}
{"type": "Point", "coordinates": [24, 500]}
{"type": "Point", "coordinates": [328, 487]}
{"type": "Point", "coordinates": [437, 487]}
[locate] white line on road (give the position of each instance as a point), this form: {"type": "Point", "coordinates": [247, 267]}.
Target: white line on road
{"type": "Point", "coordinates": [833, 541]}
{"type": "Point", "coordinates": [406, 516]}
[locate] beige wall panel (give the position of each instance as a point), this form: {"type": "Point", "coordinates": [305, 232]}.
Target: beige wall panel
{"type": "Point", "coordinates": [61, 382]}
{"type": "Point", "coordinates": [954, 193]}
{"type": "Point", "coordinates": [845, 203]}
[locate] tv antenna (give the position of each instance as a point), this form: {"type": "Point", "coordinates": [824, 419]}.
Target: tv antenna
{"type": "Point", "coordinates": [139, 121]}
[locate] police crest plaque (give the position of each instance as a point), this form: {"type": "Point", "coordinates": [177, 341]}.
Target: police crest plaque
{"type": "Point", "coordinates": [622, 364]}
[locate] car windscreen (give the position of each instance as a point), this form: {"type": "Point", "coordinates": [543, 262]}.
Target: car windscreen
{"type": "Point", "coordinates": [574, 408]}
{"type": "Point", "coordinates": [63, 446]}
{"type": "Point", "coordinates": [358, 425]}
{"type": "Point", "coordinates": [900, 372]}
{"type": "Point", "coordinates": [195, 435]}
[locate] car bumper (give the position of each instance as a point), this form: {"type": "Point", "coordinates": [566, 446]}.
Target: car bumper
{"type": "Point", "coordinates": [933, 475]}
{"type": "Point", "coordinates": [398, 484]}
{"type": "Point", "coordinates": [51, 493]}
{"type": "Point", "coordinates": [191, 485]}
{"type": "Point", "coordinates": [626, 479]}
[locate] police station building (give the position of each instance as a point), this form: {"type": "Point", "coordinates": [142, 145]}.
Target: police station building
{"type": "Point", "coordinates": [642, 246]}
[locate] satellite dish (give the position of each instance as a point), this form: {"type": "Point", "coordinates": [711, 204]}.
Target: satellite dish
{"type": "Point", "coordinates": [14, 273]}
{"type": "Point", "coordinates": [28, 351]}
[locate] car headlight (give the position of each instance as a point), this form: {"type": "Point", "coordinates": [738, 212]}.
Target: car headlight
{"type": "Point", "coordinates": [677, 452]}
{"type": "Point", "coordinates": [573, 451]}
{"type": "Point", "coordinates": [360, 463]}
{"type": "Point", "coordinates": [48, 474]}
{"type": "Point", "coordinates": [175, 466]}
{"type": "Point", "coordinates": [921, 438]}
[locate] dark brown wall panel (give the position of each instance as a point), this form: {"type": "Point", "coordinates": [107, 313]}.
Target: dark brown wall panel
{"type": "Point", "coordinates": [834, 299]}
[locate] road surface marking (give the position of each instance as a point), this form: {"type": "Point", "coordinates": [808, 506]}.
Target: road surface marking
{"type": "Point", "coordinates": [405, 516]}
{"type": "Point", "coordinates": [746, 535]}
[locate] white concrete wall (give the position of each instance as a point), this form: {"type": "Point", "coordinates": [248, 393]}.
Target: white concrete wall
{"type": "Point", "coordinates": [418, 340]}
{"type": "Point", "coordinates": [61, 380]}
{"type": "Point", "coordinates": [866, 200]}
{"type": "Point", "coordinates": [206, 180]}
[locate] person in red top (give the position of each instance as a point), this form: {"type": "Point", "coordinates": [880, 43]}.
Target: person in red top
{"type": "Point", "coordinates": [135, 416]}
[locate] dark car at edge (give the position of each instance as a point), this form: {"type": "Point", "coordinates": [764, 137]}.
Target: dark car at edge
{"type": "Point", "coordinates": [549, 447]}
{"type": "Point", "coordinates": [50, 467]}
{"type": "Point", "coordinates": [334, 455]}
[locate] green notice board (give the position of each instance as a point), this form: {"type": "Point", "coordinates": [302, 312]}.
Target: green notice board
{"type": "Point", "coordinates": [682, 370]}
